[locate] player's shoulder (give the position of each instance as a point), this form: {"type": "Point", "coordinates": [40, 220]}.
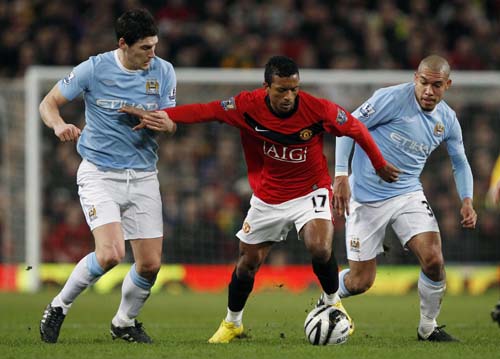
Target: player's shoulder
{"type": "Point", "coordinates": [250, 99]}
{"type": "Point", "coordinates": [162, 65]}
{"type": "Point", "coordinates": [313, 102]}
{"type": "Point", "coordinates": [446, 112]}
{"type": "Point", "coordinates": [104, 58]}
{"type": "Point", "coordinates": [395, 91]}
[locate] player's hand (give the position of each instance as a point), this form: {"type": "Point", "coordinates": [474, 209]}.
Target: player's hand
{"type": "Point", "coordinates": [389, 173]}
{"type": "Point", "coordinates": [153, 120]}
{"type": "Point", "coordinates": [341, 195]}
{"type": "Point", "coordinates": [469, 216]}
{"type": "Point", "coordinates": [67, 132]}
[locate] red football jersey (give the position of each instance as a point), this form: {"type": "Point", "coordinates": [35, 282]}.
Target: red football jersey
{"type": "Point", "coordinates": [284, 155]}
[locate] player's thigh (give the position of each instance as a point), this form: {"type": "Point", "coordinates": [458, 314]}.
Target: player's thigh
{"type": "Point", "coordinates": [413, 217]}
{"type": "Point", "coordinates": [109, 243]}
{"type": "Point", "coordinates": [318, 236]}
{"type": "Point", "coordinates": [365, 229]}
{"type": "Point", "coordinates": [264, 223]}
{"type": "Point", "coordinates": [427, 248]}
{"type": "Point", "coordinates": [142, 216]}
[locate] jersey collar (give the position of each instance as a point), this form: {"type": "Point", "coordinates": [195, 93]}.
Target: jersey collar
{"type": "Point", "coordinates": [284, 115]}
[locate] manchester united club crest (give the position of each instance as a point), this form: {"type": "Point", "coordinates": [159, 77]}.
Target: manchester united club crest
{"type": "Point", "coordinates": [439, 129]}
{"type": "Point", "coordinates": [246, 227]}
{"type": "Point", "coordinates": [152, 87]}
{"type": "Point", "coordinates": [305, 134]}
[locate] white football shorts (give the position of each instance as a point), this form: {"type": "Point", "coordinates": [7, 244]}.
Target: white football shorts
{"type": "Point", "coordinates": [126, 196]}
{"type": "Point", "coordinates": [408, 215]}
{"type": "Point", "coordinates": [272, 222]}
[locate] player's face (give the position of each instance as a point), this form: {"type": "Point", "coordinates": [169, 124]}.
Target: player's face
{"type": "Point", "coordinates": [138, 56]}
{"type": "Point", "coordinates": [282, 93]}
{"type": "Point", "coordinates": [430, 87]}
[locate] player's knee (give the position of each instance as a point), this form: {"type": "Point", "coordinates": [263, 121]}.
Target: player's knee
{"type": "Point", "coordinates": [111, 257]}
{"type": "Point", "coordinates": [433, 267]}
{"type": "Point", "coordinates": [321, 254]}
{"type": "Point", "coordinates": [359, 283]}
{"type": "Point", "coordinates": [247, 270]}
{"type": "Point", "coordinates": [148, 270]}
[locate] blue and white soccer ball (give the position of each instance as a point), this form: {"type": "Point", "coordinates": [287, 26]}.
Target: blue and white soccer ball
{"type": "Point", "coordinates": [326, 325]}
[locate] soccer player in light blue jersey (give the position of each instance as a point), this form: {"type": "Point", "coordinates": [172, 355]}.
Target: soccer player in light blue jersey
{"type": "Point", "coordinates": [407, 122]}
{"type": "Point", "coordinates": [117, 179]}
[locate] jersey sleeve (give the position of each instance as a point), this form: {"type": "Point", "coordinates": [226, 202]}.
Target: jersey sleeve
{"type": "Point", "coordinates": [169, 88]}
{"type": "Point", "coordinates": [342, 123]}
{"type": "Point", "coordinates": [379, 108]}
{"type": "Point", "coordinates": [77, 81]}
{"type": "Point", "coordinates": [228, 111]}
{"type": "Point", "coordinates": [461, 168]}
{"type": "Point", "coordinates": [453, 139]}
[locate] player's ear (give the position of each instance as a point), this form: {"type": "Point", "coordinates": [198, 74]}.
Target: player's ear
{"type": "Point", "coordinates": [265, 84]}
{"type": "Point", "coordinates": [448, 84]}
{"type": "Point", "coordinates": [122, 43]}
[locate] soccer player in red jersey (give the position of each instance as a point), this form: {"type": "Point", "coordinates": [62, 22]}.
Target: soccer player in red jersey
{"type": "Point", "coordinates": [282, 136]}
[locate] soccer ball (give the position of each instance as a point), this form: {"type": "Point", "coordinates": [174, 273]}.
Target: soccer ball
{"type": "Point", "coordinates": [326, 325]}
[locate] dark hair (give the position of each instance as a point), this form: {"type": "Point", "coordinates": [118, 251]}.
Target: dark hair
{"type": "Point", "coordinates": [281, 66]}
{"type": "Point", "coordinates": [135, 25]}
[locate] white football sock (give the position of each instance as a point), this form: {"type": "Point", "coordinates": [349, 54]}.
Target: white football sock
{"type": "Point", "coordinates": [135, 291]}
{"type": "Point", "coordinates": [331, 299]}
{"type": "Point", "coordinates": [431, 294]}
{"type": "Point", "coordinates": [343, 291]}
{"type": "Point", "coordinates": [234, 317]}
{"type": "Point", "coordinates": [86, 272]}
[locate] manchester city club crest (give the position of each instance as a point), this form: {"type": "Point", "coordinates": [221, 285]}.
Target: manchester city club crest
{"type": "Point", "coordinates": [439, 129]}
{"type": "Point", "coordinates": [152, 87]}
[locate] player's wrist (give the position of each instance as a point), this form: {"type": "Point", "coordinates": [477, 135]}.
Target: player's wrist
{"type": "Point", "coordinates": [341, 173]}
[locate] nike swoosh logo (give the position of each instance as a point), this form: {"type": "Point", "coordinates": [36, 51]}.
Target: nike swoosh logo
{"type": "Point", "coordinates": [258, 129]}
{"type": "Point", "coordinates": [316, 211]}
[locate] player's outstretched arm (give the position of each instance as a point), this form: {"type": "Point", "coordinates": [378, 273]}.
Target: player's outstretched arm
{"type": "Point", "coordinates": [49, 111]}
{"type": "Point", "coordinates": [469, 216]}
{"type": "Point", "coordinates": [341, 195]}
{"type": "Point", "coordinates": [153, 120]}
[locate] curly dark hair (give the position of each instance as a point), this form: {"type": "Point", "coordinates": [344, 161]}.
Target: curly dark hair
{"type": "Point", "coordinates": [281, 66]}
{"type": "Point", "coordinates": [134, 25]}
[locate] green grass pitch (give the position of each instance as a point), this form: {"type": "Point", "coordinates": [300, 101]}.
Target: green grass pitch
{"type": "Point", "coordinates": [181, 323]}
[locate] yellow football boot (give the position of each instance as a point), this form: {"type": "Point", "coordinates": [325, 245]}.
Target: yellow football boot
{"type": "Point", "coordinates": [227, 331]}
{"type": "Point", "coordinates": [340, 307]}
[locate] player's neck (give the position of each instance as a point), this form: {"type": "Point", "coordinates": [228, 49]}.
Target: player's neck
{"type": "Point", "coordinates": [123, 60]}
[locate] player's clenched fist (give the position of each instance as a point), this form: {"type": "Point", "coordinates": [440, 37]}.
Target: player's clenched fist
{"type": "Point", "coordinates": [154, 120]}
{"type": "Point", "coordinates": [67, 132]}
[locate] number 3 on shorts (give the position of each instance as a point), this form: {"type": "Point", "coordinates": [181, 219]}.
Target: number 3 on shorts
{"type": "Point", "coordinates": [429, 209]}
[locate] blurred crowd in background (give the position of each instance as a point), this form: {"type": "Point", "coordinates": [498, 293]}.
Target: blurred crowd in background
{"type": "Point", "coordinates": [354, 34]}
{"type": "Point", "coordinates": [201, 168]}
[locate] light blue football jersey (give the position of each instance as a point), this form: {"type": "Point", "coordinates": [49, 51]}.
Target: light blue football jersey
{"type": "Point", "coordinates": [406, 136]}
{"type": "Point", "coordinates": [107, 139]}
